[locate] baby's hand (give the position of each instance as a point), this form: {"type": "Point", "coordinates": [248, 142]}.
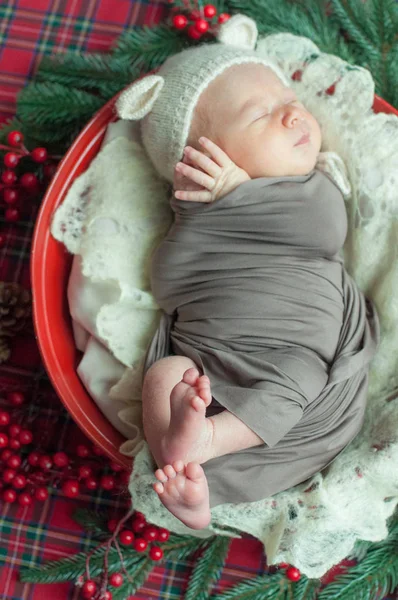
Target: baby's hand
{"type": "Point", "coordinates": [218, 174]}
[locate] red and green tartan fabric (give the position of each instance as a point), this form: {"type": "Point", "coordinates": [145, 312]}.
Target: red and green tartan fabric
{"type": "Point", "coordinates": [29, 536]}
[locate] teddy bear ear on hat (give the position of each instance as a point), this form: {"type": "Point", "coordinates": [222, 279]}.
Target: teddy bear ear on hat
{"type": "Point", "coordinates": [240, 31]}
{"type": "Point", "coordinates": [137, 100]}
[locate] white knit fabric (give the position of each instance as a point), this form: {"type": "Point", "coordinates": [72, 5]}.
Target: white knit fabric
{"type": "Point", "coordinates": [354, 496]}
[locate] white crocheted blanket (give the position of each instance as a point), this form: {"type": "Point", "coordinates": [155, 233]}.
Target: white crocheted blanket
{"type": "Point", "coordinates": [311, 526]}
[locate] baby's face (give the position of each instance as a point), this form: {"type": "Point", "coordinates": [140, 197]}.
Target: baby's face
{"type": "Point", "coordinates": [260, 123]}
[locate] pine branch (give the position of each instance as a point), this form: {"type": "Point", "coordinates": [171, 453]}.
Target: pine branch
{"type": "Point", "coordinates": [91, 72]}
{"type": "Point", "coordinates": [91, 522]}
{"type": "Point", "coordinates": [139, 577]}
{"type": "Point", "coordinates": [71, 567]}
{"type": "Point", "coordinates": [306, 589]}
{"type": "Point", "coordinates": [207, 569]}
{"type": "Point", "coordinates": [148, 47]}
{"type": "Point", "coordinates": [305, 18]}
{"type": "Point", "coordinates": [55, 104]}
{"type": "Point", "coordinates": [263, 587]}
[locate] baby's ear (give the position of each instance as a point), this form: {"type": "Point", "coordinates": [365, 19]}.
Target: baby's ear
{"type": "Point", "coordinates": [137, 100]}
{"type": "Point", "coordinates": [239, 31]}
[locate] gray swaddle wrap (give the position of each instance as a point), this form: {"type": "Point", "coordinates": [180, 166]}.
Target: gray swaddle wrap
{"type": "Point", "coordinates": [254, 291]}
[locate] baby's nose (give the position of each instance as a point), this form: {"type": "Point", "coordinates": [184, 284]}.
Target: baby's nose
{"type": "Point", "coordinates": [292, 116]}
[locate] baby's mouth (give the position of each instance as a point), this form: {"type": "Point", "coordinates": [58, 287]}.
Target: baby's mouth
{"type": "Point", "coordinates": [303, 140]}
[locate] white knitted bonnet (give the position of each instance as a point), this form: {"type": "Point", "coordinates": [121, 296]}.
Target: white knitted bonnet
{"type": "Point", "coordinates": [165, 102]}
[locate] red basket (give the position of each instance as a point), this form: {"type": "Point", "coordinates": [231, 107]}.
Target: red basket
{"type": "Point", "coordinates": [50, 268]}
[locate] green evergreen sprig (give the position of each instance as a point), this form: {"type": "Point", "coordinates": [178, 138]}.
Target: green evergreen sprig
{"type": "Point", "coordinates": [208, 569]}
{"type": "Point", "coordinates": [148, 47]}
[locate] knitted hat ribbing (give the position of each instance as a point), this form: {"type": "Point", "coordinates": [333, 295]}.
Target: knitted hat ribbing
{"type": "Point", "coordinates": [165, 102]}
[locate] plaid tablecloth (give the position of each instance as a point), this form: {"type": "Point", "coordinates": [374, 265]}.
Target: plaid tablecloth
{"type": "Point", "coordinates": [28, 536]}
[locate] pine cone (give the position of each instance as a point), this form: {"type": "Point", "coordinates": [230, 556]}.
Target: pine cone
{"type": "Point", "coordinates": [15, 308]}
{"type": "Point", "coordinates": [4, 350]}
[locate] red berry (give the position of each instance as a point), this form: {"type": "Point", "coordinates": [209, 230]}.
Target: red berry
{"type": "Point", "coordinates": [193, 33]}
{"type": "Point", "coordinates": [82, 451]}
{"type": "Point", "coordinates": [41, 494]}
{"type": "Point", "coordinates": [283, 565]}
{"type": "Point", "coordinates": [107, 595]}
{"type": "Point", "coordinates": [201, 25]}
{"type": "Point", "coordinates": [14, 462]}
{"type": "Point", "coordinates": [8, 475]}
{"type": "Point", "coordinates": [112, 524]}
{"type": "Point", "coordinates": [25, 499]}
{"type": "Point", "coordinates": [3, 440]}
{"type": "Point", "coordinates": [163, 534]}
{"type": "Point", "coordinates": [116, 579]}
{"type": "Point", "coordinates": [116, 467]}
{"type": "Point", "coordinates": [138, 525]}
{"type": "Point", "coordinates": [60, 459]}
{"type": "Point", "coordinates": [89, 588]}
{"type": "Point", "coordinates": [330, 91]}
{"type": "Point", "coordinates": [85, 472]}
{"type": "Point", "coordinates": [39, 155]}
{"type": "Point", "coordinates": [45, 462]}
{"type": "Point", "coordinates": [223, 17]}
{"type": "Point", "coordinates": [14, 444]}
{"type": "Point", "coordinates": [29, 181]}
{"type": "Point", "coordinates": [209, 11]}
{"type": "Point", "coordinates": [8, 177]}
{"type": "Point", "coordinates": [33, 459]}
{"type": "Point", "coordinates": [179, 21]}
{"type": "Point", "coordinates": [71, 488]}
{"type": "Point", "coordinates": [9, 496]}
{"type": "Point", "coordinates": [107, 482]}
{"type": "Point", "coordinates": [5, 455]}
{"type": "Point", "coordinates": [139, 515]}
{"type": "Point", "coordinates": [15, 138]}
{"type": "Point", "coordinates": [49, 170]}
{"type": "Point", "coordinates": [293, 574]}
{"type": "Point", "coordinates": [126, 537]}
{"type": "Point", "coordinates": [97, 450]}
{"type": "Point", "coordinates": [150, 533]}
{"type": "Point", "coordinates": [26, 437]}
{"type": "Point", "coordinates": [10, 196]}
{"type": "Point", "coordinates": [156, 553]}
{"type": "Point", "coordinates": [11, 159]}
{"type": "Point", "coordinates": [14, 430]}
{"type": "Point", "coordinates": [11, 215]}
{"type": "Point", "coordinates": [91, 483]}
{"type": "Point", "coordinates": [19, 482]}
{"type": "Point", "coordinates": [16, 398]}
{"type": "Point", "coordinates": [140, 544]}
{"type": "Point", "coordinates": [4, 418]}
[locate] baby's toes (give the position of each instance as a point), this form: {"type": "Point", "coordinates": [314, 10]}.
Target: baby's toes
{"type": "Point", "coordinates": [169, 471]}
{"type": "Point", "coordinates": [198, 404]}
{"type": "Point", "coordinates": [203, 388]}
{"type": "Point", "coordinates": [191, 376]}
{"type": "Point", "coordinates": [161, 475]}
{"type": "Point", "coordinates": [158, 487]}
{"type": "Point", "coordinates": [194, 471]}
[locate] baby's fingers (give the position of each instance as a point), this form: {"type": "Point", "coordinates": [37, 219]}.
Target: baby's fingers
{"type": "Point", "coordinates": [219, 155]}
{"type": "Point", "coordinates": [199, 196]}
{"type": "Point", "coordinates": [201, 160]}
{"type": "Point", "coordinates": [195, 175]}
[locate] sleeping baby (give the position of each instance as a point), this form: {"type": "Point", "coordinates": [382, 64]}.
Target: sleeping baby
{"type": "Point", "coordinates": [256, 378]}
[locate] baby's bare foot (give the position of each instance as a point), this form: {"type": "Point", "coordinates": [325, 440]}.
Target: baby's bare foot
{"type": "Point", "coordinates": [189, 433]}
{"type": "Point", "coordinates": [185, 493]}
